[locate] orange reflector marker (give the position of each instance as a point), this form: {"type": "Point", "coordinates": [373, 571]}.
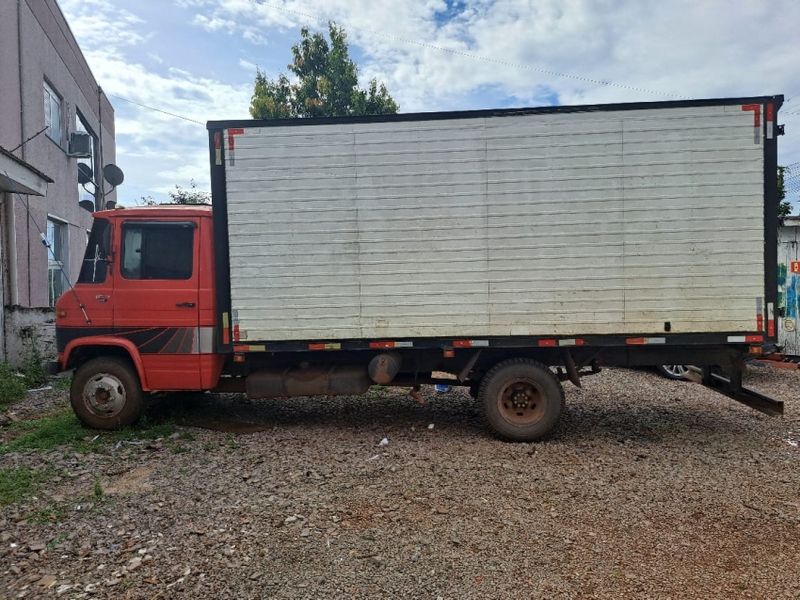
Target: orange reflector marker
{"type": "Point", "coordinates": [449, 353]}
{"type": "Point", "coordinates": [238, 358]}
{"type": "Point", "coordinates": [328, 346]}
{"type": "Point", "coordinates": [640, 341]}
{"type": "Point", "coordinates": [470, 343]}
{"type": "Point", "coordinates": [756, 350]}
{"type": "Point", "coordinates": [745, 339]}
{"type": "Point", "coordinates": [387, 344]}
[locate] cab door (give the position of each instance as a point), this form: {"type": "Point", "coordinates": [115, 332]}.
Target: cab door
{"type": "Point", "coordinates": [156, 298]}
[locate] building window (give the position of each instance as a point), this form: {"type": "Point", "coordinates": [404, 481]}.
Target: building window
{"type": "Point", "coordinates": [52, 113]}
{"type": "Point", "coordinates": [157, 250]}
{"type": "Point", "coordinates": [57, 258]}
{"type": "Point", "coordinates": [82, 127]}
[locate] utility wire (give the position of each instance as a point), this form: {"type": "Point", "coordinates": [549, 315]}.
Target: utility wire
{"type": "Point", "coordinates": [46, 244]}
{"type": "Point", "coordinates": [159, 110]}
{"type": "Point", "coordinates": [35, 135]}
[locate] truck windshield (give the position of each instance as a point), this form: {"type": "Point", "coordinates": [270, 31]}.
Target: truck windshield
{"type": "Point", "coordinates": [94, 267]}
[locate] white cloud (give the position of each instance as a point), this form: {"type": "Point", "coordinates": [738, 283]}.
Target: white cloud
{"type": "Point", "coordinates": [247, 65]}
{"type": "Point", "coordinates": [101, 23]}
{"type": "Point", "coordinates": [681, 48]}
{"type": "Point", "coordinates": [512, 49]}
{"type": "Point", "coordinates": [156, 150]}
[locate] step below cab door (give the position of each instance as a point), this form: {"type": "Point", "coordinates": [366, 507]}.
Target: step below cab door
{"type": "Point", "coordinates": [156, 298]}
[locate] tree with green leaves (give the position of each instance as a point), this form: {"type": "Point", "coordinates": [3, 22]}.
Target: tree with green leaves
{"type": "Point", "coordinates": [180, 195]}
{"type": "Point", "coordinates": [326, 83]}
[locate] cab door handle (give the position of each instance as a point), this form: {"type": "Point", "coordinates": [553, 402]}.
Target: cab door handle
{"type": "Point", "coordinates": [185, 304]}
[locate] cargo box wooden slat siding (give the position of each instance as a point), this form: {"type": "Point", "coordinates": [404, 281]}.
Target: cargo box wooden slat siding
{"type": "Point", "coordinates": [565, 222]}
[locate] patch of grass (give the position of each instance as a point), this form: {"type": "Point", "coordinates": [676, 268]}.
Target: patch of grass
{"type": "Point", "coordinates": [231, 443]}
{"type": "Point", "coordinates": [64, 429]}
{"type": "Point", "coordinates": [98, 490]}
{"type": "Point", "coordinates": [34, 372]}
{"type": "Point", "coordinates": [12, 386]}
{"type": "Point", "coordinates": [62, 383]}
{"type": "Point", "coordinates": [53, 513]}
{"type": "Point", "coordinates": [61, 537]}
{"type": "Point", "coordinates": [376, 392]}
{"type": "Point", "coordinates": [18, 483]}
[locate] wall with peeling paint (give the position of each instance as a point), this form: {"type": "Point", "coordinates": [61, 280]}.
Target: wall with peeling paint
{"type": "Point", "coordinates": [789, 285]}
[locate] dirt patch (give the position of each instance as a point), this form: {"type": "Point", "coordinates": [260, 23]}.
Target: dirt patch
{"type": "Point", "coordinates": [135, 481]}
{"type": "Point", "coordinates": [649, 488]}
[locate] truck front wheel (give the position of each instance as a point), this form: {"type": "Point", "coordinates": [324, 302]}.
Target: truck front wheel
{"type": "Point", "coordinates": [522, 399]}
{"type": "Point", "coordinates": [106, 394]}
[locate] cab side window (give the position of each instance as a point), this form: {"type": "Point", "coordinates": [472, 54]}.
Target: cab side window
{"type": "Point", "coordinates": [157, 250]}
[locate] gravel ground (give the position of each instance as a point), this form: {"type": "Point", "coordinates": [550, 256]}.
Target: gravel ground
{"type": "Point", "coordinates": [650, 488]}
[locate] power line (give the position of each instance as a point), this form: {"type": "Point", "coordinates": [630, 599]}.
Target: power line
{"type": "Point", "coordinates": [46, 244]}
{"type": "Point", "coordinates": [35, 135]}
{"type": "Point", "coordinates": [489, 59]}
{"type": "Point", "coordinates": [159, 110]}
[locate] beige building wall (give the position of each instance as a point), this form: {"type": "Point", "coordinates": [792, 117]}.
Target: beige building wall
{"type": "Point", "coordinates": [37, 46]}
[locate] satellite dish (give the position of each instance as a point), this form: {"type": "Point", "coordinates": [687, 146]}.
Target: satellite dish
{"type": "Point", "coordinates": [113, 174]}
{"type": "Point", "coordinates": [87, 205]}
{"type": "Point", "coordinates": [85, 174]}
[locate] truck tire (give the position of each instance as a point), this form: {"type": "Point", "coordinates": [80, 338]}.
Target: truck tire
{"type": "Point", "coordinates": [106, 394]}
{"type": "Point", "coordinates": [522, 400]}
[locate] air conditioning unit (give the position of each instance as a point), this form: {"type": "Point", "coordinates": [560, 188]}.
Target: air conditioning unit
{"type": "Point", "coordinates": [80, 145]}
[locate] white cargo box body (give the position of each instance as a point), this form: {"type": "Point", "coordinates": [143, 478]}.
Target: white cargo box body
{"type": "Point", "coordinates": [577, 222]}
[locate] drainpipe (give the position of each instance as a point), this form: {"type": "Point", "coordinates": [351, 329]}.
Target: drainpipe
{"type": "Point", "coordinates": [100, 194]}
{"type": "Point", "coordinates": [11, 229]}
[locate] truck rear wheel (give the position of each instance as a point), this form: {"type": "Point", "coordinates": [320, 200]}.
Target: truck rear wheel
{"type": "Point", "coordinates": [106, 394]}
{"type": "Point", "coordinates": [522, 400]}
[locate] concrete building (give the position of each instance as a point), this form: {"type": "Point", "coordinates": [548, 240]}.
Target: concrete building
{"type": "Point", "coordinates": [47, 94]}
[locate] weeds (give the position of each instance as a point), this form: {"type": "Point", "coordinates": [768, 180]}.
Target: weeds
{"type": "Point", "coordinates": [98, 490]}
{"type": "Point", "coordinates": [61, 383]}
{"type": "Point", "coordinates": [61, 537]}
{"type": "Point", "coordinates": [64, 429]}
{"type": "Point", "coordinates": [32, 368]}
{"type": "Point", "coordinates": [52, 513]}
{"type": "Point", "coordinates": [18, 483]}
{"type": "Point", "coordinates": [12, 385]}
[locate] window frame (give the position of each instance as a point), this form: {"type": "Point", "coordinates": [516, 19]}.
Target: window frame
{"type": "Point", "coordinates": [51, 97]}
{"type": "Point", "coordinates": [57, 266]}
{"type": "Point", "coordinates": [125, 225]}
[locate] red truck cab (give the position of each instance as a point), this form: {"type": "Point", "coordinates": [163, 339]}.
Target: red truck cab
{"type": "Point", "coordinates": [141, 317]}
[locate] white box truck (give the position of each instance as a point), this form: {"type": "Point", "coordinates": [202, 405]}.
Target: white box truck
{"type": "Point", "coordinates": [512, 248]}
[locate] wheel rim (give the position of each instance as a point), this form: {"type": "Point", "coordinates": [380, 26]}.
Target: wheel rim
{"type": "Point", "coordinates": [676, 370]}
{"type": "Point", "coordinates": [104, 395]}
{"type": "Point", "coordinates": [521, 402]}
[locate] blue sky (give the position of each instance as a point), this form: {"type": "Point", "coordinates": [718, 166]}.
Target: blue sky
{"type": "Point", "coordinates": [197, 59]}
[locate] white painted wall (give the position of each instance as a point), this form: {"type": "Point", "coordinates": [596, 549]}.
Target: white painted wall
{"type": "Point", "coordinates": [558, 224]}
